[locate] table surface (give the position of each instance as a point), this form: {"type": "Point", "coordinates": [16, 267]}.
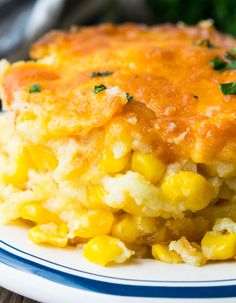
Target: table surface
{"type": "Point", "coordinates": [10, 297]}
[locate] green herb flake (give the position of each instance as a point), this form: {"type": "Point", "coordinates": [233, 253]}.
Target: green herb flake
{"type": "Point", "coordinates": [217, 63]}
{"type": "Point", "coordinates": [35, 88]}
{"type": "Point", "coordinates": [129, 97]}
{"type": "Point", "coordinates": [231, 65]}
{"type": "Point", "coordinates": [101, 74]}
{"type": "Point", "coordinates": [98, 88]}
{"type": "Point", "coordinates": [204, 42]}
{"type": "Point", "coordinates": [228, 88]}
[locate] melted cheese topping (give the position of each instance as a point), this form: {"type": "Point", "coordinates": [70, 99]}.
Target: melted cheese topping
{"type": "Point", "coordinates": [160, 66]}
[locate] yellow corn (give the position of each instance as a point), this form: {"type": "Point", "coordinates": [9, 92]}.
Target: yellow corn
{"type": "Point", "coordinates": [95, 197]}
{"type": "Point", "coordinates": [93, 223]}
{"type": "Point", "coordinates": [147, 165]}
{"type": "Point", "coordinates": [132, 207]}
{"type": "Point", "coordinates": [161, 252]}
{"type": "Point", "coordinates": [216, 246]}
{"type": "Point", "coordinates": [129, 228]}
{"type": "Point", "coordinates": [19, 174]}
{"type": "Point", "coordinates": [38, 214]}
{"type": "Point", "coordinates": [42, 157]}
{"type": "Point", "coordinates": [103, 250]}
{"type": "Point", "coordinates": [51, 233]}
{"type": "Point", "coordinates": [111, 165]}
{"type": "Point", "coordinates": [26, 115]}
{"type": "Point", "coordinates": [189, 188]}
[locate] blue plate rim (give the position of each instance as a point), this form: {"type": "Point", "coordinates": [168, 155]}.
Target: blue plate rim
{"type": "Point", "coordinates": [83, 283]}
{"type": "Point", "coordinates": [114, 278]}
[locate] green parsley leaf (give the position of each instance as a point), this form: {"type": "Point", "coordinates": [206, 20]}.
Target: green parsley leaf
{"type": "Point", "coordinates": [35, 88]}
{"type": "Point", "coordinates": [204, 42]}
{"type": "Point", "coordinates": [98, 88]}
{"type": "Point", "coordinates": [217, 63]}
{"type": "Point", "coordinates": [101, 74]}
{"type": "Point", "coordinates": [231, 65]}
{"type": "Point", "coordinates": [228, 88]}
{"type": "Point", "coordinates": [220, 65]}
{"type": "Point", "coordinates": [129, 97]}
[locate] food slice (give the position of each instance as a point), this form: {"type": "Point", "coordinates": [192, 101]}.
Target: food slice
{"type": "Point", "coordinates": [122, 138]}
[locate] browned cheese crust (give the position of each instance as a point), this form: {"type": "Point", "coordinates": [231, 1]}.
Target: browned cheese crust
{"type": "Point", "coordinates": [180, 109]}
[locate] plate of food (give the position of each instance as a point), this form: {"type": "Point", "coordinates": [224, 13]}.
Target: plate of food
{"type": "Point", "coordinates": [118, 166]}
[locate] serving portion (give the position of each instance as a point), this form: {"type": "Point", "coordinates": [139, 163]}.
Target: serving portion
{"type": "Point", "coordinates": [123, 139]}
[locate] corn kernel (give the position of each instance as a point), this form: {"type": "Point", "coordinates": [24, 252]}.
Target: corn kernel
{"type": "Point", "coordinates": [216, 246]}
{"type": "Point", "coordinates": [93, 223]}
{"type": "Point", "coordinates": [38, 214]}
{"type": "Point", "coordinates": [42, 157]}
{"type": "Point", "coordinates": [129, 228]}
{"type": "Point", "coordinates": [95, 197]}
{"type": "Point", "coordinates": [51, 233]}
{"type": "Point", "coordinates": [26, 115]}
{"type": "Point", "coordinates": [148, 166]}
{"type": "Point", "coordinates": [111, 165]}
{"type": "Point", "coordinates": [132, 207]}
{"type": "Point", "coordinates": [19, 174]}
{"type": "Point", "coordinates": [189, 188]}
{"type": "Point", "coordinates": [161, 252]}
{"type": "Point", "coordinates": [103, 250]}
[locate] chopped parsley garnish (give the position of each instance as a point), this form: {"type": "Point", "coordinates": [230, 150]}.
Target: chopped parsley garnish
{"type": "Point", "coordinates": [228, 88]}
{"type": "Point", "coordinates": [231, 65]}
{"type": "Point", "coordinates": [101, 74]}
{"type": "Point", "coordinates": [220, 64]}
{"type": "Point", "coordinates": [98, 88]}
{"type": "Point", "coordinates": [204, 42]}
{"type": "Point", "coordinates": [35, 88]}
{"type": "Point", "coordinates": [217, 63]}
{"type": "Point", "coordinates": [129, 97]}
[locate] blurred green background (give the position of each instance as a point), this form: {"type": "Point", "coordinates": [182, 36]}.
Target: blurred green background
{"type": "Point", "coordinates": [23, 22]}
{"type": "Point", "coordinates": [223, 12]}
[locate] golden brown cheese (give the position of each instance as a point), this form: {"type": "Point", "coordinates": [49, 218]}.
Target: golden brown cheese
{"type": "Point", "coordinates": [160, 66]}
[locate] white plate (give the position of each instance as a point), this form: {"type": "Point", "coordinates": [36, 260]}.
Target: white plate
{"type": "Point", "coordinates": [62, 276]}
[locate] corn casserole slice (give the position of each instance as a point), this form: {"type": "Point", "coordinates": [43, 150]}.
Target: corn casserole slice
{"type": "Point", "coordinates": [123, 138]}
